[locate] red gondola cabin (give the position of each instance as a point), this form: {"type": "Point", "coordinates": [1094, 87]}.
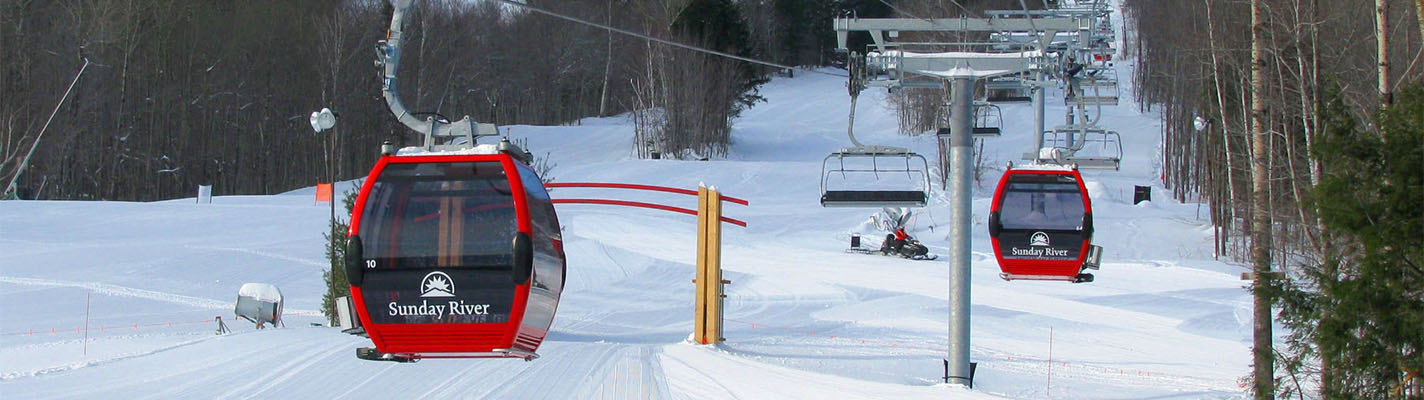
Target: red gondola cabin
{"type": "Point", "coordinates": [454, 256]}
{"type": "Point", "coordinates": [1041, 225]}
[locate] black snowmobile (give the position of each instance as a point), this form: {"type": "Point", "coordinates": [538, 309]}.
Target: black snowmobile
{"type": "Point", "coordinates": [898, 243]}
{"type": "Point", "coordinates": [905, 248]}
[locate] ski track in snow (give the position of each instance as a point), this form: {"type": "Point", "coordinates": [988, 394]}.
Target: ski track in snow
{"type": "Point", "coordinates": [296, 362]}
{"type": "Point", "coordinates": [305, 261]}
{"type": "Point", "coordinates": [121, 291]}
{"type": "Point", "coordinates": [91, 363]}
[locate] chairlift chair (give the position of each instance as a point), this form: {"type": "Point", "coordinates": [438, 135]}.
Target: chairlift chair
{"type": "Point", "coordinates": [1041, 225]}
{"type": "Point", "coordinates": [1096, 86]}
{"type": "Point", "coordinates": [889, 188]}
{"type": "Point", "coordinates": [1106, 152]}
{"type": "Point", "coordinates": [454, 256]}
{"type": "Point", "coordinates": [988, 120]}
{"type": "Point", "coordinates": [1007, 91]}
{"type": "Point", "coordinates": [913, 189]}
{"type": "Point", "coordinates": [883, 67]}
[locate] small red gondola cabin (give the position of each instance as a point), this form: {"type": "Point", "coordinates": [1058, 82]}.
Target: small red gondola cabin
{"type": "Point", "coordinates": [454, 255]}
{"type": "Point", "coordinates": [1041, 225]}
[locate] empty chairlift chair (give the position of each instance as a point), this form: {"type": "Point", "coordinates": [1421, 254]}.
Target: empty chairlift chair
{"type": "Point", "coordinates": [874, 176]}
{"type": "Point", "coordinates": [454, 256]}
{"type": "Point", "coordinates": [1084, 147]}
{"type": "Point", "coordinates": [1008, 90]}
{"type": "Point", "coordinates": [1041, 225]}
{"type": "Point", "coordinates": [988, 120]}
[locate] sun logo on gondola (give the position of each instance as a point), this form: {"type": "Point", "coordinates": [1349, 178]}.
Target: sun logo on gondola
{"type": "Point", "coordinates": [437, 284]}
{"type": "Point", "coordinates": [1038, 239]}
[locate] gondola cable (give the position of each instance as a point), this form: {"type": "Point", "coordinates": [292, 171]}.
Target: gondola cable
{"type": "Point", "coordinates": [664, 41]}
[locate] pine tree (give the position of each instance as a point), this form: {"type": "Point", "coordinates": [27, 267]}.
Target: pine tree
{"type": "Point", "coordinates": [719, 25]}
{"type": "Point", "coordinates": [1371, 200]}
{"type": "Point", "coordinates": [336, 254]}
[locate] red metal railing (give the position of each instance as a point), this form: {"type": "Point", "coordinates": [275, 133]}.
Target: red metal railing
{"type": "Point", "coordinates": [635, 187]}
{"type": "Point", "coordinates": [639, 204]}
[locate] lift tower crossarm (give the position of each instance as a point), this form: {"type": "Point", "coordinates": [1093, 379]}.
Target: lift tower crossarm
{"type": "Point", "coordinates": [388, 59]}
{"type": "Point", "coordinates": [950, 65]}
{"type": "Point", "coordinates": [878, 26]}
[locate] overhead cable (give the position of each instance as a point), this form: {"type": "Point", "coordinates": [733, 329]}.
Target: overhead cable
{"type": "Point", "coordinates": [663, 41]}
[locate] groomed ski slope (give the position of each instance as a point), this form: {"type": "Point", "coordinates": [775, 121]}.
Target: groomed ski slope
{"type": "Point", "coordinates": [804, 319]}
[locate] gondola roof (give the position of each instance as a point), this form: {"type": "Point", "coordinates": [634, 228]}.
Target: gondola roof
{"type": "Point", "coordinates": [480, 149]}
{"type": "Point", "coordinates": [1043, 167]}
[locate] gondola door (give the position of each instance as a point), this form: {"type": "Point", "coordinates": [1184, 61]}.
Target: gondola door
{"type": "Point", "coordinates": [548, 268]}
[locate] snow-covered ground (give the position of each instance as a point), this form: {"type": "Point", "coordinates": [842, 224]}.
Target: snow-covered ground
{"type": "Point", "coordinates": [804, 318]}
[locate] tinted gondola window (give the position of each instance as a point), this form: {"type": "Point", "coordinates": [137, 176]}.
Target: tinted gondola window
{"type": "Point", "coordinates": [430, 215]}
{"type": "Point", "coordinates": [1042, 203]}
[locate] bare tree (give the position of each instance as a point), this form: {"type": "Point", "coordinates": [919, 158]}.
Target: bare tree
{"type": "Point", "coordinates": [1419, 13]}
{"type": "Point", "coordinates": [1263, 349]}
{"type": "Point", "coordinates": [1382, 39]}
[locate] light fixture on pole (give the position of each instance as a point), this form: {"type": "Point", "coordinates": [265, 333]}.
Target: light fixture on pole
{"type": "Point", "coordinates": [321, 121]}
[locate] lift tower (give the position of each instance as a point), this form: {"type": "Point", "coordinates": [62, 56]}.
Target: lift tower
{"type": "Point", "coordinates": [891, 64]}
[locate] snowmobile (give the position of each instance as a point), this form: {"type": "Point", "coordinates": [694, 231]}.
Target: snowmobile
{"type": "Point", "coordinates": [901, 244]}
{"type": "Point", "coordinates": [898, 243]}
{"type": "Point", "coordinates": [905, 248]}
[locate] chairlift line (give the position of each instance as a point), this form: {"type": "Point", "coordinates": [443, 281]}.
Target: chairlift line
{"type": "Point", "coordinates": [916, 195]}
{"type": "Point", "coordinates": [663, 41]}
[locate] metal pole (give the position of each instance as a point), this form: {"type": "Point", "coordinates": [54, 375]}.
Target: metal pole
{"type": "Point", "coordinates": [1038, 105]}
{"type": "Point", "coordinates": [855, 85]}
{"type": "Point", "coordinates": [1048, 388]}
{"type": "Point", "coordinates": [331, 221]}
{"type": "Point", "coordinates": [10, 188]}
{"type": "Point", "coordinates": [961, 155]}
{"type": "Point", "coordinates": [86, 322]}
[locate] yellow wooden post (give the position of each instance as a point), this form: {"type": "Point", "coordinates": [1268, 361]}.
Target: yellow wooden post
{"type": "Point", "coordinates": [714, 266]}
{"type": "Point", "coordinates": [699, 330]}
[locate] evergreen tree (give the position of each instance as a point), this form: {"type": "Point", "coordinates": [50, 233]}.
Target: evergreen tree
{"type": "Point", "coordinates": [1362, 309]}
{"type": "Point", "coordinates": [336, 255]}
{"type": "Point", "coordinates": [718, 25]}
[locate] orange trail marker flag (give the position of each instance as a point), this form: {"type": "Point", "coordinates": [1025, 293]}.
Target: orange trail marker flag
{"type": "Point", "coordinates": [323, 192]}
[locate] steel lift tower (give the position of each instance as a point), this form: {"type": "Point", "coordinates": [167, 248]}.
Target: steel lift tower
{"type": "Point", "coordinates": [890, 65]}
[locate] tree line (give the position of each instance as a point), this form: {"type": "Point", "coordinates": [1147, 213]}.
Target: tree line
{"type": "Point", "coordinates": [184, 93]}
{"type": "Point", "coordinates": [1298, 122]}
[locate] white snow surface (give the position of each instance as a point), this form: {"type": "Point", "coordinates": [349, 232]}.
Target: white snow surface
{"type": "Point", "coordinates": [479, 149]}
{"type": "Point", "coordinates": [804, 319]}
